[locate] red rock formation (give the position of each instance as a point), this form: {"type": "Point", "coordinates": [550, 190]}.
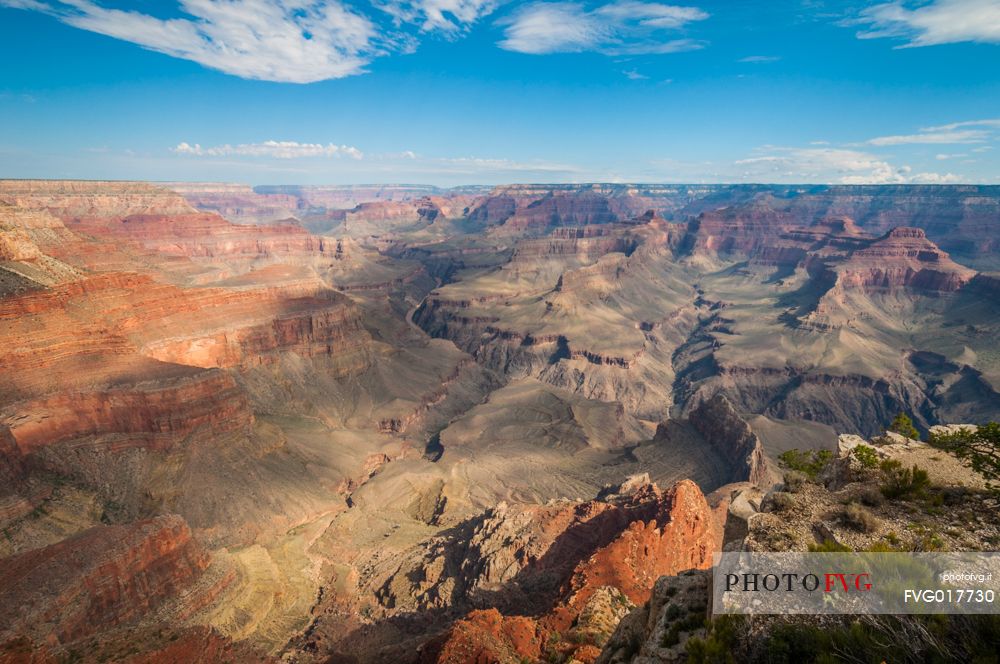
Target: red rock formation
{"type": "Point", "coordinates": [902, 258]}
{"type": "Point", "coordinates": [588, 245]}
{"type": "Point", "coordinates": [201, 645]}
{"type": "Point", "coordinates": [88, 199]}
{"type": "Point", "coordinates": [624, 544]}
{"type": "Point", "coordinates": [237, 201]}
{"type": "Point", "coordinates": [102, 577]}
{"type": "Point", "coordinates": [151, 415]}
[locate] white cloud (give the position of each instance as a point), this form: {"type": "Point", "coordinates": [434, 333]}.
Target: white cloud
{"type": "Point", "coordinates": [945, 157]}
{"type": "Point", "coordinates": [833, 165]}
{"type": "Point", "coordinates": [984, 148]}
{"type": "Point", "coordinates": [929, 24]}
{"type": "Point", "coordinates": [272, 149]}
{"type": "Point", "coordinates": [625, 27]}
{"type": "Point", "coordinates": [933, 137]}
{"type": "Point", "coordinates": [633, 75]}
{"type": "Point", "coordinates": [995, 122]}
{"type": "Point", "coordinates": [968, 131]}
{"type": "Point", "coordinates": [759, 59]}
{"type": "Point", "coordinates": [295, 41]}
{"type": "Point", "coordinates": [446, 15]}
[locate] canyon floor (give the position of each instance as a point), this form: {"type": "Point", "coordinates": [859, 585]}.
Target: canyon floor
{"type": "Point", "coordinates": [401, 424]}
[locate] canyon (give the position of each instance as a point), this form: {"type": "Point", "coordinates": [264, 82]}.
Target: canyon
{"type": "Point", "coordinates": [423, 425]}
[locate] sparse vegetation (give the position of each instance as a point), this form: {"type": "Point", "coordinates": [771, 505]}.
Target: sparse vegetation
{"type": "Point", "coordinates": [830, 546]}
{"type": "Point", "coordinates": [980, 449]}
{"type": "Point", "coordinates": [794, 480]}
{"type": "Point", "coordinates": [901, 482]}
{"type": "Point", "coordinates": [903, 425]}
{"type": "Point", "coordinates": [908, 639]}
{"type": "Point", "coordinates": [810, 462]}
{"type": "Point", "coordinates": [858, 517]}
{"type": "Point", "coordinates": [871, 497]}
{"type": "Point", "coordinates": [692, 622]}
{"type": "Point", "coordinates": [866, 456]}
{"type": "Point", "coordinates": [782, 502]}
{"type": "Point", "coordinates": [719, 644]}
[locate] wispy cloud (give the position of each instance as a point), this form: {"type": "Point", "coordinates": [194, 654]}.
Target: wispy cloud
{"type": "Point", "coordinates": [448, 15]}
{"type": "Point", "coordinates": [933, 138]}
{"type": "Point", "coordinates": [759, 59]}
{"type": "Point", "coordinates": [945, 157]}
{"type": "Point", "coordinates": [993, 122]}
{"type": "Point", "coordinates": [784, 164]}
{"type": "Point", "coordinates": [633, 75]}
{"type": "Point", "coordinates": [933, 23]}
{"type": "Point", "coordinates": [297, 41]}
{"type": "Point", "coordinates": [625, 27]}
{"type": "Point", "coordinates": [271, 149]}
{"type": "Point", "coordinates": [968, 131]}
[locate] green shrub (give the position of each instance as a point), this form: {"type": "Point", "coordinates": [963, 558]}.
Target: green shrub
{"type": "Point", "coordinates": [810, 462]}
{"type": "Point", "coordinates": [900, 482]}
{"type": "Point", "coordinates": [903, 425]}
{"type": "Point", "coordinates": [866, 456]}
{"type": "Point", "coordinates": [719, 644]}
{"type": "Point", "coordinates": [673, 635]}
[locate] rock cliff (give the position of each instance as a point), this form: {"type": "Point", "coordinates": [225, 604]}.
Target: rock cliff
{"type": "Point", "coordinates": [98, 579]}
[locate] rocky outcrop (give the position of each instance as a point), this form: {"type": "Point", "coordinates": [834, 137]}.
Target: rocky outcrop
{"type": "Point", "coordinates": [123, 322]}
{"type": "Point", "coordinates": [656, 632]}
{"type": "Point", "coordinates": [902, 258]}
{"type": "Point", "coordinates": [587, 245]}
{"type": "Point", "coordinates": [102, 577]}
{"type": "Point", "coordinates": [732, 438]}
{"type": "Point", "coordinates": [89, 199]}
{"type": "Point", "coordinates": [559, 578]}
{"type": "Point", "coordinates": [961, 218]}
{"type": "Point", "coordinates": [985, 285]}
{"type": "Point", "coordinates": [154, 415]}
{"type": "Point", "coordinates": [238, 202]}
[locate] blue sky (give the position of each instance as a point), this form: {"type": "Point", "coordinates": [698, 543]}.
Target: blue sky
{"type": "Point", "coordinates": [478, 91]}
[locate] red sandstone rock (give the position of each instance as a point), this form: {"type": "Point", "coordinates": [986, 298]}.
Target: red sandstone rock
{"type": "Point", "coordinates": [625, 544]}
{"type": "Point", "coordinates": [102, 577]}
{"type": "Point", "coordinates": [903, 257]}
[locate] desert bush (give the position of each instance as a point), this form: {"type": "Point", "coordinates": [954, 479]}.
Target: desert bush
{"type": "Point", "coordinates": [794, 480]}
{"type": "Point", "coordinates": [830, 546]}
{"type": "Point", "coordinates": [721, 644]}
{"type": "Point", "coordinates": [810, 462]}
{"type": "Point", "coordinates": [782, 502]}
{"type": "Point", "coordinates": [673, 635]}
{"type": "Point", "coordinates": [871, 497]}
{"type": "Point", "coordinates": [900, 482]}
{"type": "Point", "coordinates": [860, 518]}
{"type": "Point", "coordinates": [866, 456]}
